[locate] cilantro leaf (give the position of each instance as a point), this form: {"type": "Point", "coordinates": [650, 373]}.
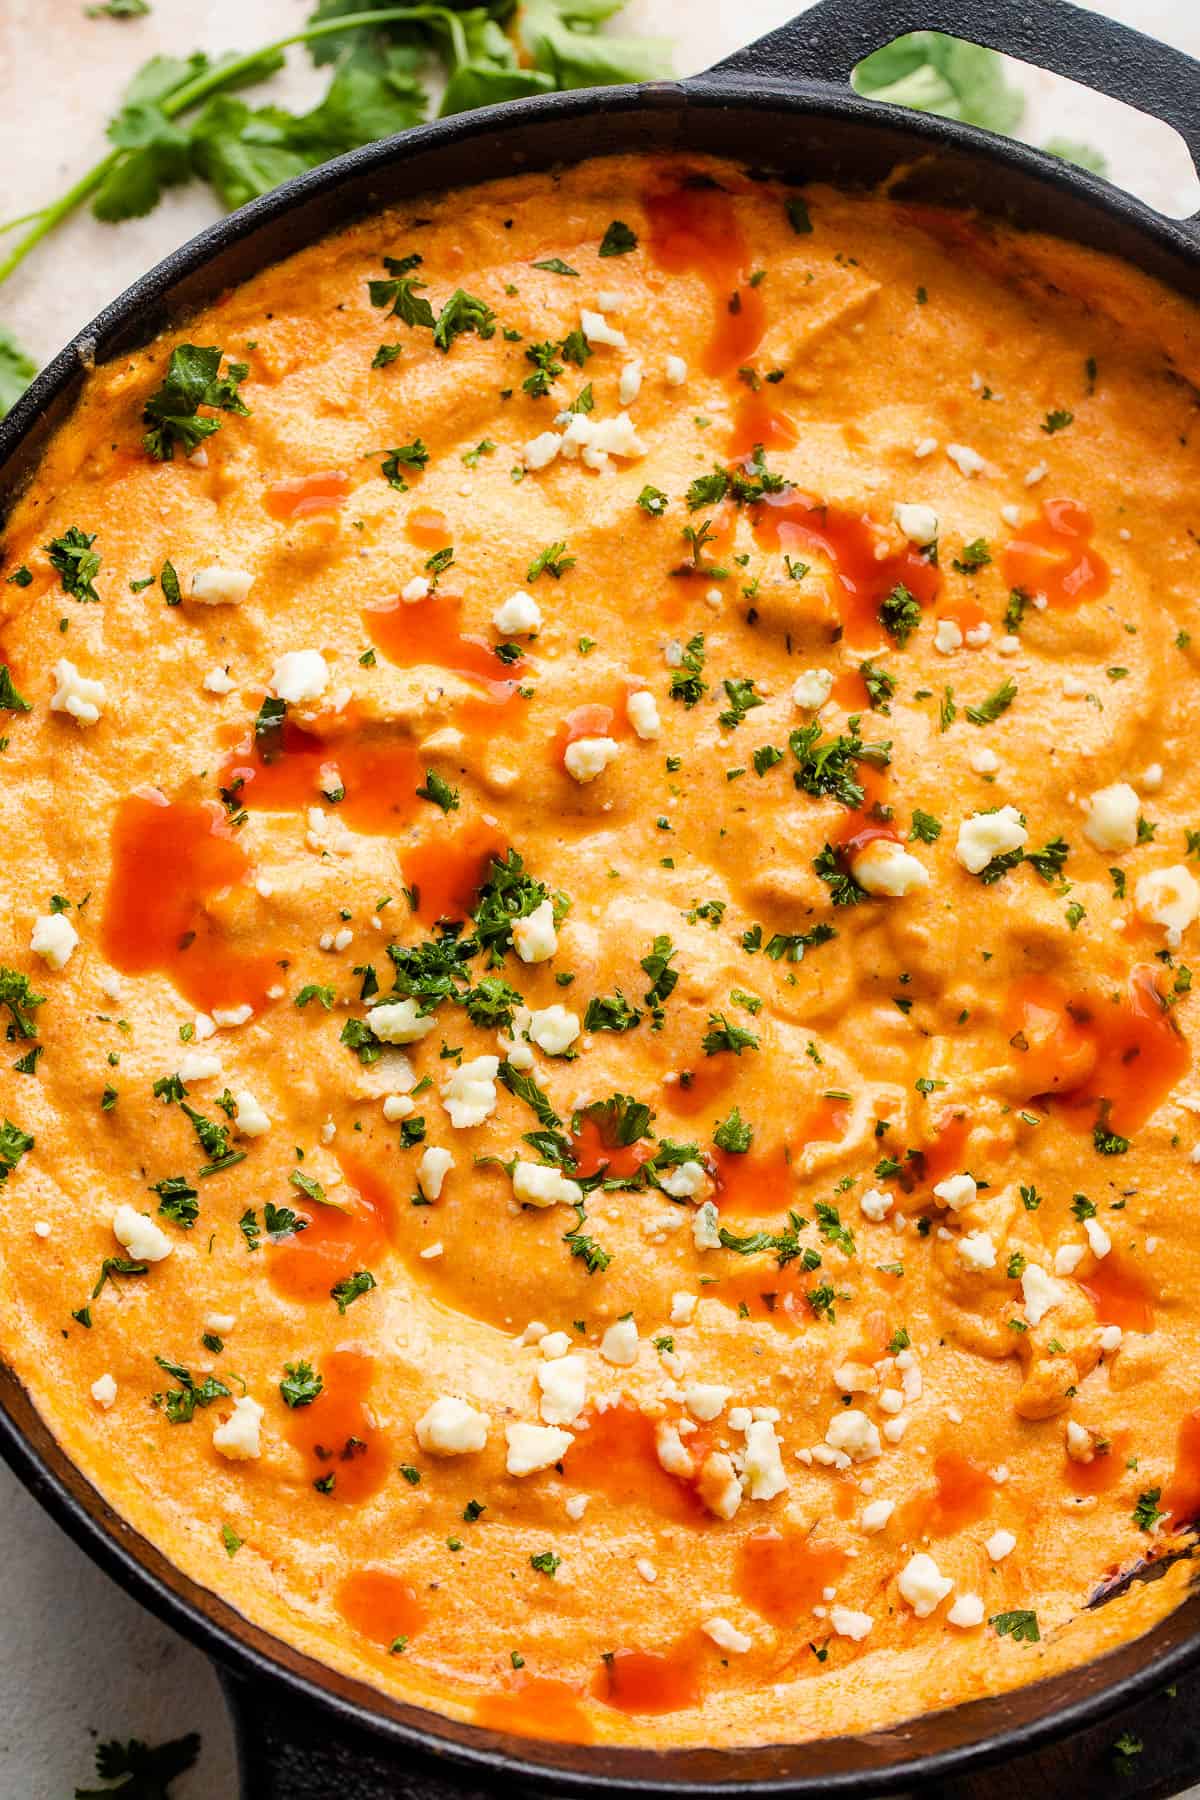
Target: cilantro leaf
{"type": "Point", "coordinates": [143, 1771]}
{"type": "Point", "coordinates": [16, 371]}
{"type": "Point", "coordinates": [77, 563]}
{"type": "Point", "coordinates": [192, 380]}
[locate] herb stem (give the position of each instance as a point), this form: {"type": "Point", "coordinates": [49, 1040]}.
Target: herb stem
{"type": "Point", "coordinates": [211, 81]}
{"type": "Point", "coordinates": [11, 224]}
{"type": "Point", "coordinates": [56, 212]}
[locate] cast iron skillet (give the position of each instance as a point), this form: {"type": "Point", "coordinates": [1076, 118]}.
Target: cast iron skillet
{"type": "Point", "coordinates": [785, 104]}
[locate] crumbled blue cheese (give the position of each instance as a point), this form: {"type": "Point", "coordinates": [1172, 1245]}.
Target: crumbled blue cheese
{"type": "Point", "coordinates": [762, 1470]}
{"type": "Point", "coordinates": [469, 1094]}
{"type": "Point", "coordinates": [535, 1447]}
{"type": "Point", "coordinates": [630, 385]}
{"type": "Point", "coordinates": [198, 1065]}
{"type": "Point", "coordinates": [451, 1427]}
{"type": "Point", "coordinates": [218, 585]}
{"type": "Point", "coordinates": [541, 451]}
{"type": "Point", "coordinates": [989, 834]}
{"type": "Point", "coordinates": [854, 1435]}
{"type": "Point", "coordinates": [239, 1437]}
{"type": "Point", "coordinates": [432, 1169]}
{"type": "Point", "coordinates": [977, 1251]}
{"type": "Point", "coordinates": [887, 869]}
{"type": "Point", "coordinates": [850, 1624]}
{"type": "Point", "coordinates": [597, 330]}
{"type": "Point", "coordinates": [726, 1636]}
{"type": "Point", "coordinates": [875, 1515]}
{"type": "Point", "coordinates": [1111, 818]}
{"type": "Point", "coordinates": [642, 710]}
{"type": "Point", "coordinates": [137, 1233]}
{"type": "Point", "coordinates": [1042, 1293]}
{"type": "Point", "coordinates": [588, 757]}
{"type": "Point", "coordinates": [554, 1029]}
{"type": "Point", "coordinates": [563, 1385]}
{"type": "Point", "coordinates": [54, 937]}
{"type": "Point", "coordinates": [300, 675]}
{"type": "Point", "coordinates": [104, 1391]}
{"type": "Point", "coordinates": [918, 522]}
{"type": "Point", "coordinates": [399, 1022]}
{"type": "Point", "coordinates": [966, 461]}
{"type": "Point", "coordinates": [684, 1181]}
{"type": "Point", "coordinates": [1170, 898]}
{"type": "Point", "coordinates": [705, 1227]}
{"type": "Point", "coordinates": [619, 1345]}
{"type": "Point", "coordinates": [249, 1117]}
{"type": "Point", "coordinates": [705, 1400]}
{"type": "Point", "coordinates": [923, 1585]}
{"type": "Point", "coordinates": [812, 689]}
{"type": "Point", "coordinates": [956, 1191]}
{"type": "Point", "coordinates": [534, 938]}
{"type": "Point", "coordinates": [876, 1204]}
{"type": "Point", "coordinates": [77, 695]}
{"type": "Point", "coordinates": [518, 614]}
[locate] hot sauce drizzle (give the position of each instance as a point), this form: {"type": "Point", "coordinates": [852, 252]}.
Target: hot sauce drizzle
{"type": "Point", "coordinates": [1115, 1063]}
{"type": "Point", "coordinates": [617, 1457]}
{"type": "Point", "coordinates": [322, 492]}
{"type": "Point", "coordinates": [382, 1606]}
{"type": "Point", "coordinates": [380, 778]}
{"type": "Point", "coordinates": [963, 1494]}
{"type": "Point", "coordinates": [758, 422]}
{"type": "Point", "coordinates": [426, 634]}
{"type": "Point", "coordinates": [1181, 1497]}
{"type": "Point", "coordinates": [1052, 556]}
{"type": "Point", "coordinates": [445, 873]}
{"type": "Point", "coordinates": [334, 1244]}
{"type": "Point", "coordinates": [168, 861]}
{"type": "Point", "coordinates": [793, 522]}
{"type": "Point", "coordinates": [695, 230]}
{"type": "Point", "coordinates": [783, 1575]}
{"type": "Point", "coordinates": [337, 1432]}
{"type": "Point", "coordinates": [651, 1681]}
{"type": "Point", "coordinates": [536, 1706]}
{"type": "Point", "coordinates": [1119, 1296]}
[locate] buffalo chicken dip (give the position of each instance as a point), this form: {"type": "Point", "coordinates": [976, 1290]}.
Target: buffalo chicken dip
{"type": "Point", "coordinates": [602, 862]}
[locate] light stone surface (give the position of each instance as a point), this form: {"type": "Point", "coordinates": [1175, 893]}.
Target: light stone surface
{"type": "Point", "coordinates": [77, 1657]}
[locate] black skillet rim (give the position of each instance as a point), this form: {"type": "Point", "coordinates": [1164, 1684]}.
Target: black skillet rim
{"type": "Point", "coordinates": [1110, 1681]}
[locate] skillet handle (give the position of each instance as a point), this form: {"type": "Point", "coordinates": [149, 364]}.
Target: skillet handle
{"type": "Point", "coordinates": [824, 44]}
{"type": "Point", "coordinates": [288, 1750]}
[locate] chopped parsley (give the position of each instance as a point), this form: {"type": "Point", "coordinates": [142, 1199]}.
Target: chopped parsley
{"type": "Point", "coordinates": [553, 560]}
{"type": "Point", "coordinates": [722, 1036]}
{"type": "Point", "coordinates": [300, 1385]}
{"type": "Point", "coordinates": [403, 456]}
{"type": "Point", "coordinates": [76, 562]}
{"type": "Point", "coordinates": [989, 710]}
{"type": "Point", "coordinates": [687, 681]}
{"type": "Point", "coordinates": [349, 1289]}
{"type": "Point", "coordinates": [618, 240]}
{"type": "Point", "coordinates": [438, 790]}
{"type": "Point", "coordinates": [192, 380]}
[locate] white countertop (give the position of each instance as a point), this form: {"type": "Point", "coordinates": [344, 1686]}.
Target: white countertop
{"type": "Point", "coordinates": [77, 1657]}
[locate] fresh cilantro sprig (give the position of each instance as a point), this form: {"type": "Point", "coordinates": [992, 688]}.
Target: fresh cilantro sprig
{"type": "Point", "coordinates": [181, 118]}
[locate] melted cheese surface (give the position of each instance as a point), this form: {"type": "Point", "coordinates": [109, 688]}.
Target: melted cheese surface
{"type": "Point", "coordinates": [611, 1099]}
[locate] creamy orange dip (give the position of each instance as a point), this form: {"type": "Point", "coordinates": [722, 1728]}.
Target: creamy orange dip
{"type": "Point", "coordinates": [601, 865]}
